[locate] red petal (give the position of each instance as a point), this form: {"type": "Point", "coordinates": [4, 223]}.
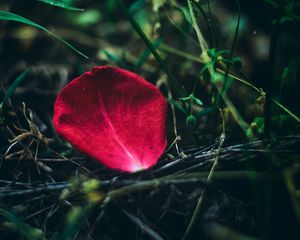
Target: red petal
{"type": "Point", "coordinates": [114, 116]}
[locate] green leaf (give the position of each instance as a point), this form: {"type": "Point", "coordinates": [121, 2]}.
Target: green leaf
{"type": "Point", "coordinates": [8, 16]}
{"type": "Point", "coordinates": [74, 221]}
{"type": "Point", "coordinates": [86, 18]}
{"type": "Point", "coordinates": [192, 99]}
{"type": "Point", "coordinates": [10, 91]}
{"type": "Point", "coordinates": [137, 5]}
{"type": "Point", "coordinates": [18, 224]}
{"type": "Point", "coordinates": [191, 120]}
{"type": "Point", "coordinates": [61, 4]}
{"type": "Point", "coordinates": [178, 106]}
{"type": "Point", "coordinates": [197, 101]}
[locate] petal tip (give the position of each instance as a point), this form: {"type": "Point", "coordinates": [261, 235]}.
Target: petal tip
{"type": "Point", "coordinates": [136, 168]}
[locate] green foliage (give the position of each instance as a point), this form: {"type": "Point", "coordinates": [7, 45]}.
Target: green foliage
{"type": "Point", "coordinates": [16, 224]}
{"type": "Point", "coordinates": [88, 188]}
{"type": "Point", "coordinates": [62, 4]}
{"type": "Point", "coordinates": [191, 120]}
{"type": "Point", "coordinates": [192, 100]}
{"type": "Point", "coordinates": [137, 5]}
{"type": "Point", "coordinates": [8, 16]}
{"type": "Point", "coordinates": [145, 55]}
{"type": "Point", "coordinates": [256, 129]}
{"type": "Point", "coordinates": [178, 91]}
{"type": "Point", "coordinates": [185, 12]}
{"type": "Point", "coordinates": [113, 57]}
{"type": "Point", "coordinates": [88, 17]}
{"type": "Point", "coordinates": [220, 81]}
{"type": "Point", "coordinates": [290, 113]}
{"type": "Point", "coordinates": [10, 91]}
{"type": "Point", "coordinates": [214, 68]}
{"type": "Point", "coordinates": [74, 219]}
{"type": "Point", "coordinates": [178, 106]}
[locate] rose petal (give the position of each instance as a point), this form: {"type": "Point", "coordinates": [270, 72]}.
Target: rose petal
{"type": "Point", "coordinates": [114, 116]}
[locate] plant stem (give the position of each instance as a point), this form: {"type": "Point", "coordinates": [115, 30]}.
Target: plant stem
{"type": "Point", "coordinates": [208, 23]}
{"type": "Point", "coordinates": [202, 42]}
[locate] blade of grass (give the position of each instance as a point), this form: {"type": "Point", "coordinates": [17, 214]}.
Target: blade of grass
{"type": "Point", "coordinates": [10, 91]}
{"type": "Point", "coordinates": [137, 5]}
{"type": "Point", "coordinates": [61, 4]}
{"type": "Point", "coordinates": [178, 91]}
{"type": "Point", "coordinates": [287, 110]}
{"type": "Point", "coordinates": [8, 16]}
